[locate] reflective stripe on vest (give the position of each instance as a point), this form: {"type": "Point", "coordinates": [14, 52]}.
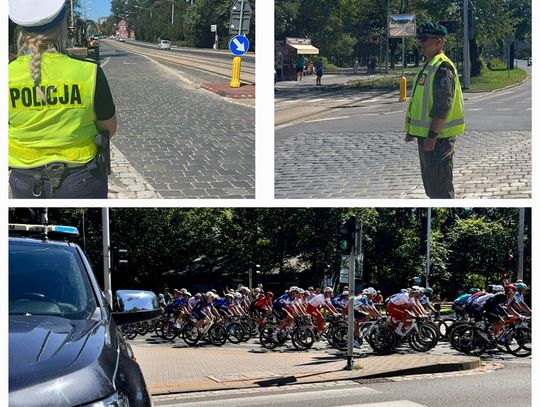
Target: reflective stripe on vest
{"type": "Point", "coordinates": [63, 127]}
{"type": "Point", "coordinates": [418, 120]}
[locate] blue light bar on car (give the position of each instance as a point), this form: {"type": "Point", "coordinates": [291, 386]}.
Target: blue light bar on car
{"type": "Point", "coordinates": [70, 230]}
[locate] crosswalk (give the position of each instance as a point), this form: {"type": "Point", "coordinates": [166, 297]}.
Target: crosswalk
{"type": "Point", "coordinates": [342, 395]}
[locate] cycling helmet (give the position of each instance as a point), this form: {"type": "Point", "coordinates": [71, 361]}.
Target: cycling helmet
{"type": "Point", "coordinates": [328, 290]}
{"type": "Point", "coordinates": [474, 290]}
{"type": "Point", "coordinates": [237, 296]}
{"type": "Point", "coordinates": [187, 293]}
{"type": "Point", "coordinates": [294, 289]}
{"type": "Point", "coordinates": [371, 291]}
{"type": "Point", "coordinates": [257, 290]}
{"type": "Point", "coordinates": [229, 295]}
{"type": "Point", "coordinates": [498, 289]}
{"type": "Point", "coordinates": [300, 290]}
{"type": "Point", "coordinates": [414, 289]}
{"type": "Point", "coordinates": [365, 291]}
{"type": "Point", "coordinates": [269, 294]}
{"type": "Point", "coordinates": [521, 286]}
{"type": "Point", "coordinates": [345, 293]}
{"type": "Point", "coordinates": [209, 294]}
{"type": "Point", "coordinates": [510, 287]}
{"type": "Point", "coordinates": [405, 290]}
{"type": "Point", "coordinates": [428, 291]}
{"type": "Point", "coordinates": [198, 295]}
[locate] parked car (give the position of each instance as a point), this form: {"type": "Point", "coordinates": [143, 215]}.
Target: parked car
{"type": "Point", "coordinates": [65, 348]}
{"type": "Point", "coordinates": [122, 39]}
{"type": "Point", "coordinates": [164, 44]}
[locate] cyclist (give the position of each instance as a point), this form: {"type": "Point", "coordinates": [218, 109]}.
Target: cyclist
{"type": "Point", "coordinates": [263, 307]}
{"type": "Point", "coordinates": [493, 308]}
{"type": "Point", "coordinates": [285, 310]}
{"type": "Point", "coordinates": [402, 308]}
{"type": "Point", "coordinates": [341, 301]}
{"type": "Point", "coordinates": [364, 310]}
{"type": "Point", "coordinates": [424, 300]}
{"type": "Point", "coordinates": [180, 304]}
{"type": "Point", "coordinates": [203, 313]}
{"type": "Point", "coordinates": [520, 298]}
{"type": "Point", "coordinates": [322, 300]}
{"type": "Point", "coordinates": [459, 303]}
{"type": "Point", "coordinates": [224, 306]}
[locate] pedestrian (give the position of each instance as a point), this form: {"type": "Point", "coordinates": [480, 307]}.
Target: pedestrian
{"type": "Point", "coordinates": [435, 113]}
{"type": "Point", "coordinates": [319, 71]}
{"type": "Point", "coordinates": [299, 67]}
{"type": "Point", "coordinates": [57, 107]}
{"type": "Point", "coordinates": [355, 66]}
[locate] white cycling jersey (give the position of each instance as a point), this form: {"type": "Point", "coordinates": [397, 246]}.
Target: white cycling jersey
{"type": "Point", "coordinates": [319, 300]}
{"type": "Point", "coordinates": [400, 299]}
{"type": "Point", "coordinates": [192, 301]}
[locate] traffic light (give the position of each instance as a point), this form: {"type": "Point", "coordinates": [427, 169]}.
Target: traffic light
{"type": "Point", "coordinates": [119, 257]}
{"type": "Point", "coordinates": [345, 235]}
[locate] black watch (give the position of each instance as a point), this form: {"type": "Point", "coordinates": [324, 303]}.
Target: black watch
{"type": "Point", "coordinates": [432, 134]}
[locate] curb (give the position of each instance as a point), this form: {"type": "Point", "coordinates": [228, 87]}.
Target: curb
{"type": "Point", "coordinates": [281, 381]}
{"type": "Point", "coordinates": [244, 92]}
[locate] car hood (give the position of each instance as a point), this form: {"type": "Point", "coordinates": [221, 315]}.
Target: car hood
{"type": "Point", "coordinates": [58, 361]}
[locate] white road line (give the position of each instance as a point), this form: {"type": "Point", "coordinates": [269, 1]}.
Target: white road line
{"type": "Point", "coordinates": [504, 109]}
{"type": "Point", "coordinates": [393, 403]}
{"type": "Point", "coordinates": [494, 103]}
{"type": "Point", "coordinates": [300, 397]}
{"type": "Point", "coordinates": [473, 110]}
{"type": "Point", "coordinates": [105, 62]}
{"type": "Point", "coordinates": [327, 119]}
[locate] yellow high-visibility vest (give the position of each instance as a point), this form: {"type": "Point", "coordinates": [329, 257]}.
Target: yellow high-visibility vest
{"type": "Point", "coordinates": [418, 119]}
{"type": "Point", "coordinates": [64, 128]}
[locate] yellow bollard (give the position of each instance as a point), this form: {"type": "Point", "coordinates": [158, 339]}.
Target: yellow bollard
{"type": "Point", "coordinates": [235, 79]}
{"type": "Point", "coordinates": [403, 89]}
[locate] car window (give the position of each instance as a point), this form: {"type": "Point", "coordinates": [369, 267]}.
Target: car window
{"type": "Point", "coordinates": [48, 279]}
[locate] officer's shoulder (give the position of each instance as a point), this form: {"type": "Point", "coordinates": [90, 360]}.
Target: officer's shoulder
{"type": "Point", "coordinates": [82, 58]}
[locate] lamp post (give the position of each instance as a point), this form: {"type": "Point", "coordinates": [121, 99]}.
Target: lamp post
{"type": "Point", "coordinates": [145, 8]}
{"type": "Point", "coordinates": [172, 11]}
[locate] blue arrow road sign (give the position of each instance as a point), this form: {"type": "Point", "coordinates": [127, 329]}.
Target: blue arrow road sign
{"type": "Point", "coordinates": [239, 45]}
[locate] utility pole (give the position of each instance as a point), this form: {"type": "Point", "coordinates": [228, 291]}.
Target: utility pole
{"type": "Point", "coordinates": [466, 53]}
{"type": "Point", "coordinates": [106, 255]}
{"type": "Point", "coordinates": [387, 37]}
{"type": "Point", "coordinates": [428, 246]}
{"type": "Point", "coordinates": [356, 251]}
{"type": "Point", "coordinates": [520, 243]}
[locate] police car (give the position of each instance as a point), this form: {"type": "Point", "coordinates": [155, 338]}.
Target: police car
{"type": "Point", "coordinates": [64, 345]}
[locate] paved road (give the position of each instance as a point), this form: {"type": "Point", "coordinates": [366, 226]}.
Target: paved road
{"type": "Point", "coordinates": [485, 387]}
{"type": "Point", "coordinates": [349, 144]}
{"type": "Point", "coordinates": [174, 139]}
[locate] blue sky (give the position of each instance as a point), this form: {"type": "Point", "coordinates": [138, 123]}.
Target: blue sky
{"type": "Point", "coordinates": [97, 8]}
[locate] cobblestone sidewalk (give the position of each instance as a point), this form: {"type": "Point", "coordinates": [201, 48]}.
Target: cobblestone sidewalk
{"type": "Point", "coordinates": [170, 370]}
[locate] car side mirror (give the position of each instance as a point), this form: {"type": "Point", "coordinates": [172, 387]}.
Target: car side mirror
{"type": "Point", "coordinates": [132, 306]}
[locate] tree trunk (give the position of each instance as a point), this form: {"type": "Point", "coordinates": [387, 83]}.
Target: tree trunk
{"type": "Point", "coordinates": [476, 66]}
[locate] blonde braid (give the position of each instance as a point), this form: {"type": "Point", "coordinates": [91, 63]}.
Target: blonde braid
{"type": "Point", "coordinates": [35, 44]}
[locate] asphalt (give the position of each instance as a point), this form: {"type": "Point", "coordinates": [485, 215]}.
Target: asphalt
{"type": "Point", "coordinates": [169, 370]}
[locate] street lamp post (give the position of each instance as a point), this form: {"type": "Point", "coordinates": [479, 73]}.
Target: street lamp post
{"type": "Point", "coordinates": [146, 8]}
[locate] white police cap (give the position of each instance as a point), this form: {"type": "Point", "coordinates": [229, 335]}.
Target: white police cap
{"type": "Point", "coordinates": [36, 15]}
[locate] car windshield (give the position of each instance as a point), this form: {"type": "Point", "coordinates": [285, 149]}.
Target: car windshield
{"type": "Point", "coordinates": [48, 279]}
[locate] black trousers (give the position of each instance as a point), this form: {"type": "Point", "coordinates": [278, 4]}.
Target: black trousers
{"type": "Point", "coordinates": [437, 167]}
{"type": "Point", "coordinates": [85, 182]}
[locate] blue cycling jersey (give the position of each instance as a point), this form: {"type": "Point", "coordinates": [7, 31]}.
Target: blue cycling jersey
{"type": "Point", "coordinates": [200, 305]}
{"type": "Point", "coordinates": [180, 302]}
{"type": "Point", "coordinates": [462, 299]}
{"type": "Point", "coordinates": [283, 301]}
{"type": "Point", "coordinates": [340, 302]}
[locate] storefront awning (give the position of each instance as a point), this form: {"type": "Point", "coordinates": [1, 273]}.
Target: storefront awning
{"type": "Point", "coordinates": [305, 49]}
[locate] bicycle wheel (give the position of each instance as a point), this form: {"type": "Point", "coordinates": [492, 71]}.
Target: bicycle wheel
{"type": "Point", "coordinates": [435, 328]}
{"type": "Point", "coordinates": [423, 338]}
{"type": "Point", "coordinates": [142, 328]}
{"type": "Point", "coordinates": [339, 338]}
{"type": "Point", "coordinates": [471, 340]}
{"type": "Point", "coordinates": [382, 339]}
{"type": "Point", "coordinates": [444, 326]}
{"type": "Point", "coordinates": [190, 335]}
{"type": "Point", "coordinates": [303, 337]}
{"type": "Point", "coordinates": [266, 336]}
{"type": "Point", "coordinates": [217, 334]}
{"type": "Point", "coordinates": [168, 330]}
{"type": "Point", "coordinates": [518, 342]}
{"type": "Point", "coordinates": [246, 328]}
{"type": "Point", "coordinates": [235, 332]}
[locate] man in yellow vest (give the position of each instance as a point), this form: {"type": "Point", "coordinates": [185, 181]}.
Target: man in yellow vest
{"type": "Point", "coordinates": [435, 114]}
{"type": "Point", "coordinates": [57, 106]}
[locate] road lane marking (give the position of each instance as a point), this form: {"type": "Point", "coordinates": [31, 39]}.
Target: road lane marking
{"type": "Point", "coordinates": [474, 110]}
{"type": "Point", "coordinates": [393, 403]}
{"type": "Point", "coordinates": [327, 119]}
{"type": "Point", "coordinates": [504, 108]}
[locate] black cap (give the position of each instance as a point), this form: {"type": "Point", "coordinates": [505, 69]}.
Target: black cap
{"type": "Point", "coordinates": [433, 29]}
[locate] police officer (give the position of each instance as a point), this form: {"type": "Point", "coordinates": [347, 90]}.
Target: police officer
{"type": "Point", "coordinates": [57, 106]}
{"type": "Point", "coordinates": [435, 114]}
